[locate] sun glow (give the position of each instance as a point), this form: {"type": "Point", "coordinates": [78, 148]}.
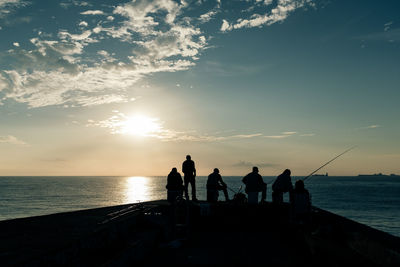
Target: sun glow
{"type": "Point", "coordinates": [140, 125]}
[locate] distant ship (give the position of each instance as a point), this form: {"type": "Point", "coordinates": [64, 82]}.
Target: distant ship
{"type": "Point", "coordinates": [326, 174]}
{"type": "Point", "coordinates": [378, 175]}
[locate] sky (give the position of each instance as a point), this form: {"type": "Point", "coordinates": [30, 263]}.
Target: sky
{"type": "Point", "coordinates": [131, 87]}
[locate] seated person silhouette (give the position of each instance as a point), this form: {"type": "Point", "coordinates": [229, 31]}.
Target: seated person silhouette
{"type": "Point", "coordinates": [254, 184]}
{"type": "Point", "coordinates": [214, 184]}
{"type": "Point", "coordinates": [174, 186]}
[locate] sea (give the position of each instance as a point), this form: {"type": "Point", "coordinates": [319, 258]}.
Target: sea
{"type": "Point", "coordinates": [374, 201]}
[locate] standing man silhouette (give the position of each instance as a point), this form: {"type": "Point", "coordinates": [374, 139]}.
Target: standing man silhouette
{"type": "Point", "coordinates": [189, 172]}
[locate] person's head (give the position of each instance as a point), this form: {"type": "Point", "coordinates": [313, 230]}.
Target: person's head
{"type": "Point", "coordinates": [299, 185]}
{"type": "Point", "coordinates": [255, 169]}
{"type": "Point", "coordinates": [216, 170]}
{"type": "Point", "coordinates": [174, 170]}
{"type": "Point", "coordinates": [188, 157]}
{"type": "Point", "coordinates": [286, 172]}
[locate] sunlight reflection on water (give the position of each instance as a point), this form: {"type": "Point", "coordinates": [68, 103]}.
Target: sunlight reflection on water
{"type": "Point", "coordinates": [136, 189]}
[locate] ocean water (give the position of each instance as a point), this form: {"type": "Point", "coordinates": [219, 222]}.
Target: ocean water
{"type": "Point", "coordinates": [374, 201]}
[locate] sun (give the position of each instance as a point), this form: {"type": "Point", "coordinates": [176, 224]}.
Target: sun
{"type": "Point", "coordinates": [140, 125]}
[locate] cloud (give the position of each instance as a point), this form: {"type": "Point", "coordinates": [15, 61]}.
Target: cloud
{"type": "Point", "coordinates": [59, 72]}
{"type": "Point", "coordinates": [74, 3]}
{"type": "Point", "coordinates": [91, 86]}
{"type": "Point", "coordinates": [64, 68]}
{"type": "Point", "coordinates": [92, 12]}
{"type": "Point", "coordinates": [251, 164]}
{"type": "Point", "coordinates": [9, 139]}
{"type": "Point", "coordinates": [276, 136]}
{"type": "Point", "coordinates": [387, 26]}
{"type": "Point", "coordinates": [83, 24]}
{"type": "Point", "coordinates": [107, 57]}
{"type": "Point", "coordinates": [225, 26]}
{"type": "Point", "coordinates": [283, 135]}
{"type": "Point", "coordinates": [289, 133]}
{"type": "Point", "coordinates": [372, 126]}
{"type": "Point", "coordinates": [9, 6]}
{"type": "Point", "coordinates": [245, 135]}
{"type": "Point", "coordinates": [279, 13]}
{"type": "Point", "coordinates": [206, 17]}
{"type": "Point", "coordinates": [308, 134]}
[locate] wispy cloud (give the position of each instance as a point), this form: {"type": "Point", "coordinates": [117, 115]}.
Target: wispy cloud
{"type": "Point", "coordinates": [279, 13]}
{"type": "Point", "coordinates": [289, 133]}
{"type": "Point", "coordinates": [388, 34]}
{"type": "Point", "coordinates": [276, 136]}
{"type": "Point", "coordinates": [9, 139]}
{"type": "Point", "coordinates": [372, 126]}
{"type": "Point", "coordinates": [387, 26]}
{"type": "Point", "coordinates": [251, 164]}
{"type": "Point", "coordinates": [282, 135]}
{"type": "Point", "coordinates": [69, 3]}
{"type": "Point", "coordinates": [121, 123]}
{"type": "Point", "coordinates": [217, 68]}
{"type": "Point", "coordinates": [307, 134]}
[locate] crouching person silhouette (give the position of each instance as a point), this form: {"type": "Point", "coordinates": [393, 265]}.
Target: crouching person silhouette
{"type": "Point", "coordinates": [174, 186]}
{"type": "Point", "coordinates": [254, 184]}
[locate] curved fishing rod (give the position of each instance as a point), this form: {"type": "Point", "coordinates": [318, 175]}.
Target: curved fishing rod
{"type": "Point", "coordinates": [328, 163]}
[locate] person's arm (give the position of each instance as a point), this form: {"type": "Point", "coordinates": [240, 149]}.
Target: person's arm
{"type": "Point", "coordinates": [194, 170]}
{"type": "Point", "coordinates": [290, 184]}
{"type": "Point", "coordinates": [220, 181]}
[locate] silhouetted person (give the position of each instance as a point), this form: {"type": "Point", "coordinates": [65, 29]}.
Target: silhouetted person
{"type": "Point", "coordinates": [214, 184]}
{"type": "Point", "coordinates": [189, 172]}
{"type": "Point", "coordinates": [254, 184]}
{"type": "Point", "coordinates": [174, 185]}
{"type": "Point", "coordinates": [301, 203]}
{"type": "Point", "coordinates": [282, 184]}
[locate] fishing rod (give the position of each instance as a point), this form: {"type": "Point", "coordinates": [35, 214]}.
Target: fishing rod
{"type": "Point", "coordinates": [234, 190]}
{"type": "Point", "coordinates": [231, 189]}
{"type": "Point", "coordinates": [328, 162]}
